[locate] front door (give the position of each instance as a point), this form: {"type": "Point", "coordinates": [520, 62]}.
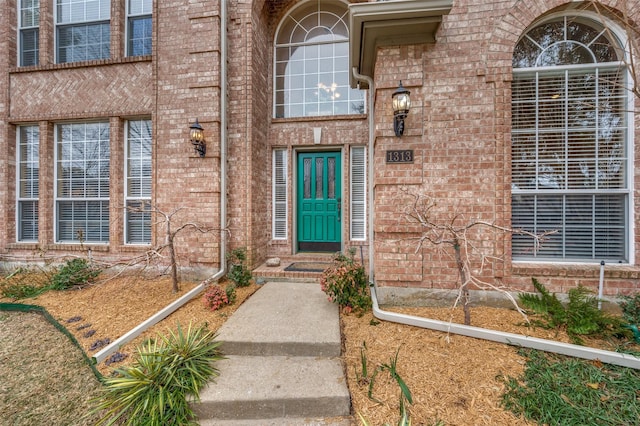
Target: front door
{"type": "Point", "coordinates": [319, 197]}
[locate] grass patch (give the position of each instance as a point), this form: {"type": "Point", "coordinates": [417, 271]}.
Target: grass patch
{"type": "Point", "coordinates": [557, 390]}
{"type": "Point", "coordinates": [44, 379]}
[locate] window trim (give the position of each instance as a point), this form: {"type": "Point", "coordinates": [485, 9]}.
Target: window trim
{"type": "Point", "coordinates": [126, 196]}
{"type": "Point", "coordinates": [57, 199]}
{"type": "Point", "coordinates": [617, 35]}
{"type": "Point", "coordinates": [280, 209]}
{"type": "Point", "coordinates": [21, 29]}
{"type": "Point", "coordinates": [19, 198]}
{"type": "Point", "coordinates": [127, 30]}
{"type": "Point", "coordinates": [358, 207]}
{"type": "Point", "coordinates": [276, 45]}
{"type": "Point", "coordinates": [86, 23]}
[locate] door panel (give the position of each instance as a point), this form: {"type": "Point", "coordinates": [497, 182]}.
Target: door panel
{"type": "Point", "coordinates": [319, 210]}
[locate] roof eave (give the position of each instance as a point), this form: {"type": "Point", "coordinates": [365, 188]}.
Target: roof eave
{"type": "Point", "coordinates": [390, 23]}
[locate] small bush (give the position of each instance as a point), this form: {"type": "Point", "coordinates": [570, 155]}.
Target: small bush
{"type": "Point", "coordinates": [346, 284]}
{"type": "Point", "coordinates": [580, 316]}
{"type": "Point", "coordinates": [166, 374]}
{"type": "Point", "coordinates": [215, 298]}
{"type": "Point", "coordinates": [630, 306]}
{"type": "Point", "coordinates": [238, 271]}
{"type": "Point", "coordinates": [74, 273]}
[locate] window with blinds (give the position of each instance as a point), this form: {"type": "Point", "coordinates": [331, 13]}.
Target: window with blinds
{"type": "Point", "coordinates": [82, 182]}
{"type": "Point", "coordinates": [28, 183]}
{"type": "Point", "coordinates": [139, 27]}
{"type": "Point", "coordinates": [570, 131]}
{"type": "Point", "coordinates": [82, 30]}
{"type": "Point", "coordinates": [138, 182]}
{"type": "Point", "coordinates": [29, 23]}
{"type": "Point", "coordinates": [358, 185]}
{"type": "Point", "coordinates": [280, 198]}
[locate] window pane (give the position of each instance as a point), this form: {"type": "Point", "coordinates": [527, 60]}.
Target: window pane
{"type": "Point", "coordinates": [138, 182]}
{"type": "Point", "coordinates": [83, 43]}
{"type": "Point", "coordinates": [140, 36]}
{"type": "Point", "coordinates": [28, 182]}
{"type": "Point", "coordinates": [313, 44]}
{"type": "Point", "coordinates": [82, 189]}
{"type": "Point", "coordinates": [569, 146]}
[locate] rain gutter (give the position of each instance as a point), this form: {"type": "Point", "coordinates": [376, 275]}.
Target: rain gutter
{"type": "Point", "coordinates": [576, 351]}
{"type": "Point", "coordinates": [172, 307]}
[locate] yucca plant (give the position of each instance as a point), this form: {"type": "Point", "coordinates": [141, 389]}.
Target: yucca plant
{"type": "Point", "coordinates": [166, 374]}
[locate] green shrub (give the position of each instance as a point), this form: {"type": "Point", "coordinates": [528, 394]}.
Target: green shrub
{"type": "Point", "coordinates": [238, 271]}
{"type": "Point", "coordinates": [630, 306]}
{"type": "Point", "coordinates": [580, 316]}
{"type": "Point", "coordinates": [347, 284]}
{"type": "Point", "coordinates": [167, 373]}
{"type": "Point", "coordinates": [75, 272]}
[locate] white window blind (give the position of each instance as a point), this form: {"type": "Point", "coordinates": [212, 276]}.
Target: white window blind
{"type": "Point", "coordinates": [28, 183]}
{"type": "Point", "coordinates": [570, 160]}
{"type": "Point", "coordinates": [280, 199]}
{"type": "Point", "coordinates": [29, 23]}
{"type": "Point", "coordinates": [358, 187]}
{"type": "Point", "coordinates": [82, 182]}
{"type": "Point", "coordinates": [139, 27]}
{"type": "Point", "coordinates": [138, 182]}
{"type": "Point", "coordinates": [82, 30]}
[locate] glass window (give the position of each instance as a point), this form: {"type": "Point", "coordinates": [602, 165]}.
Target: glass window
{"type": "Point", "coordinates": [312, 63]}
{"type": "Point", "coordinates": [570, 131]}
{"type": "Point", "coordinates": [138, 183]}
{"type": "Point", "coordinates": [29, 16]}
{"type": "Point", "coordinates": [28, 183]}
{"type": "Point", "coordinates": [139, 27]}
{"type": "Point", "coordinates": [83, 30]}
{"type": "Point", "coordinates": [82, 182]}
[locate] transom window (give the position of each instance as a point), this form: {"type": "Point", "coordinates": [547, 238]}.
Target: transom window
{"type": "Point", "coordinates": [570, 143]}
{"type": "Point", "coordinates": [312, 63]}
{"type": "Point", "coordinates": [82, 30]}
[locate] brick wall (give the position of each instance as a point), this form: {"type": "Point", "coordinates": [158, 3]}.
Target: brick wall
{"type": "Point", "coordinates": [459, 129]}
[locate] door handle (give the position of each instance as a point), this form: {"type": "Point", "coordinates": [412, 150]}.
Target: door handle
{"type": "Point", "coordinates": [339, 208]}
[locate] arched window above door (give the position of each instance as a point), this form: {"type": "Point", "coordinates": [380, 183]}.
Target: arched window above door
{"type": "Point", "coordinates": [312, 63]}
{"type": "Point", "coordinates": [570, 142]}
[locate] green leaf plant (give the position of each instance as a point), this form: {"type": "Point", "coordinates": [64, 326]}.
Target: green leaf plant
{"type": "Point", "coordinates": [167, 373]}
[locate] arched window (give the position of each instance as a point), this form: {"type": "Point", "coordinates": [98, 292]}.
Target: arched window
{"type": "Point", "coordinates": [312, 63]}
{"type": "Point", "coordinates": [571, 132]}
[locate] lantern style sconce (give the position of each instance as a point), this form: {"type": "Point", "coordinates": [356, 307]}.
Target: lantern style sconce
{"type": "Point", "coordinates": [401, 104]}
{"type": "Point", "coordinates": [196, 136]}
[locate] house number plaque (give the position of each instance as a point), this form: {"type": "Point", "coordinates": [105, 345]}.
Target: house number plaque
{"type": "Point", "coordinates": [400, 156]}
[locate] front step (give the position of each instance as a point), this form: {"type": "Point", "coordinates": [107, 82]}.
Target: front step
{"type": "Point", "coordinates": [287, 318]}
{"type": "Point", "coordinates": [283, 347]}
{"type": "Point", "coordinates": [276, 387]}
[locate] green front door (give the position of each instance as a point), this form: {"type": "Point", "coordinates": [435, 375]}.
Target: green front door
{"type": "Point", "coordinates": [319, 196]}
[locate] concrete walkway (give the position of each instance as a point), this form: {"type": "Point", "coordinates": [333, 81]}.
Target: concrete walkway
{"type": "Point", "coordinates": [283, 363]}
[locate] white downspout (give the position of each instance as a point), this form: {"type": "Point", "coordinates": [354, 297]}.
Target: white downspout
{"type": "Point", "coordinates": [576, 351]}
{"type": "Point", "coordinates": [166, 311]}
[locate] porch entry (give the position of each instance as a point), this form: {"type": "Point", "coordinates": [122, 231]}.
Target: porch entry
{"type": "Point", "coordinates": [319, 195]}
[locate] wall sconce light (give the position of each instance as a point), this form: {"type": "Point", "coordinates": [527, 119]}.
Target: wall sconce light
{"type": "Point", "coordinates": [401, 104]}
{"type": "Point", "coordinates": [196, 136]}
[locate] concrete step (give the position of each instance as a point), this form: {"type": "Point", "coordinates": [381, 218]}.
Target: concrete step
{"type": "Point", "coordinates": [272, 387]}
{"type": "Point", "coordinates": [283, 318]}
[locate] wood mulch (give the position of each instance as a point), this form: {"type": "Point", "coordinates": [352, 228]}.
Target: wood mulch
{"type": "Point", "coordinates": [454, 379]}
